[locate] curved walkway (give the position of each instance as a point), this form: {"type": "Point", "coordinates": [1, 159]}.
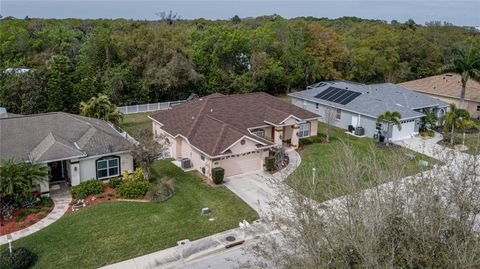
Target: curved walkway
{"type": "Point", "coordinates": [61, 199]}
{"type": "Point", "coordinates": [293, 163]}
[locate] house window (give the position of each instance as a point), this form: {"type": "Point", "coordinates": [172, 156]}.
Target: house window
{"type": "Point", "coordinates": [259, 132]}
{"type": "Point", "coordinates": [338, 114]}
{"type": "Point", "coordinates": [202, 157]}
{"type": "Point", "coordinates": [478, 108]}
{"type": "Point", "coordinates": [108, 167]}
{"type": "Point", "coordinates": [316, 105]}
{"type": "Point", "coordinates": [304, 130]}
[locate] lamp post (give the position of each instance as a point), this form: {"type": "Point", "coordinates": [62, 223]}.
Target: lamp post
{"type": "Point", "coordinates": [10, 246]}
{"type": "Point", "coordinates": [313, 181]}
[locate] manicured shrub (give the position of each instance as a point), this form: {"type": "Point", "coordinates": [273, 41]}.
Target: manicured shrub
{"type": "Point", "coordinates": [86, 188]}
{"type": "Point", "coordinates": [217, 175]}
{"type": "Point", "coordinates": [305, 141]}
{"type": "Point", "coordinates": [136, 175]}
{"type": "Point", "coordinates": [134, 188]}
{"type": "Point", "coordinates": [270, 163]}
{"type": "Point", "coordinates": [45, 201]}
{"type": "Point", "coordinates": [115, 182]}
{"type": "Point", "coordinates": [161, 191]}
{"type": "Point", "coordinates": [24, 213]}
{"type": "Point", "coordinates": [21, 258]}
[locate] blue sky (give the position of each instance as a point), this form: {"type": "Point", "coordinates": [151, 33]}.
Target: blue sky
{"type": "Point", "coordinates": [459, 12]}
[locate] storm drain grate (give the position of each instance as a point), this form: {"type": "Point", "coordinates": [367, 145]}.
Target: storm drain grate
{"type": "Point", "coordinates": [230, 238]}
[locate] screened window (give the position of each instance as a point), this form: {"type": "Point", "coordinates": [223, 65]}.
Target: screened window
{"type": "Point", "coordinates": [259, 132]}
{"type": "Point", "coordinates": [108, 167]}
{"type": "Point", "coordinates": [338, 114]}
{"type": "Point", "coordinates": [304, 130]}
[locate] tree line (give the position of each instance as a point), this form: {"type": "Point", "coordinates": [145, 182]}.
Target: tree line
{"type": "Point", "coordinates": [134, 61]}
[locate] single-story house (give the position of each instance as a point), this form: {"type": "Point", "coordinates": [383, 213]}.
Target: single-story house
{"type": "Point", "coordinates": [235, 132]}
{"type": "Point", "coordinates": [351, 105]}
{"type": "Point", "coordinates": [76, 148]}
{"type": "Point", "coordinates": [447, 87]}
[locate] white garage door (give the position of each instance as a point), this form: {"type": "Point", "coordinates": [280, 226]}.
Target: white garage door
{"type": "Point", "coordinates": [242, 164]}
{"type": "Point", "coordinates": [407, 131]}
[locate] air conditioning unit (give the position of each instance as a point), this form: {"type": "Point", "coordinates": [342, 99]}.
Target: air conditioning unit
{"type": "Point", "coordinates": [359, 131]}
{"type": "Point", "coordinates": [185, 163]}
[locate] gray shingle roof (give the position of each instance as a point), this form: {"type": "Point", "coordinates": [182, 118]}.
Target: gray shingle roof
{"type": "Point", "coordinates": [56, 136]}
{"type": "Point", "coordinates": [375, 99]}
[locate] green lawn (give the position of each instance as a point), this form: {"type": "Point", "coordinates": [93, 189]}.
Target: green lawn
{"type": "Point", "coordinates": [132, 122]}
{"type": "Point", "coordinates": [323, 158]}
{"type": "Point", "coordinates": [114, 231]}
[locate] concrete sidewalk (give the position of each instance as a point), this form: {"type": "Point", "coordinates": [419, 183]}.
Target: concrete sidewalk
{"type": "Point", "coordinates": [187, 251]}
{"type": "Point", "coordinates": [61, 198]}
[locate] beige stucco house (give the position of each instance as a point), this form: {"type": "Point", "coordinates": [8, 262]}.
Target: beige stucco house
{"type": "Point", "coordinates": [76, 148]}
{"type": "Point", "coordinates": [447, 87]}
{"type": "Point", "coordinates": [235, 132]}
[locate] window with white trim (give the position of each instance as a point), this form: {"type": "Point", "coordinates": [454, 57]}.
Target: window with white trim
{"type": "Point", "coordinates": [108, 167]}
{"type": "Point", "coordinates": [338, 114]}
{"type": "Point", "coordinates": [304, 130]}
{"type": "Point", "coordinates": [259, 132]}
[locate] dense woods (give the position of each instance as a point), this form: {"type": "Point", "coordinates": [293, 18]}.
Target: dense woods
{"type": "Point", "coordinates": [131, 62]}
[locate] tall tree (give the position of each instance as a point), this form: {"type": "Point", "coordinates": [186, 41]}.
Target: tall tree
{"type": "Point", "coordinates": [466, 63]}
{"type": "Point", "coordinates": [60, 86]}
{"type": "Point", "coordinates": [101, 108]}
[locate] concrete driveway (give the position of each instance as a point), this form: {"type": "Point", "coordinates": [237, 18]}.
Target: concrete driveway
{"type": "Point", "coordinates": [256, 189]}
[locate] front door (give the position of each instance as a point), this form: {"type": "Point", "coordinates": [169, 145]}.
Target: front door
{"type": "Point", "coordinates": [57, 171]}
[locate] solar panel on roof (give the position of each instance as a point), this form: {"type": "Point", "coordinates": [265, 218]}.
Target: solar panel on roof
{"type": "Point", "coordinates": [350, 98]}
{"type": "Point", "coordinates": [320, 95]}
{"type": "Point", "coordinates": [337, 95]}
{"type": "Point", "coordinates": [328, 95]}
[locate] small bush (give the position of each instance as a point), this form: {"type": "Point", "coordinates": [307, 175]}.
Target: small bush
{"type": "Point", "coordinates": [429, 133]}
{"type": "Point", "coordinates": [136, 175]}
{"type": "Point", "coordinates": [21, 258]}
{"type": "Point", "coordinates": [31, 221]}
{"type": "Point", "coordinates": [161, 191]}
{"type": "Point", "coordinates": [86, 188]}
{"type": "Point", "coordinates": [35, 210]}
{"type": "Point", "coordinates": [305, 141]}
{"type": "Point", "coordinates": [217, 175]}
{"type": "Point", "coordinates": [41, 215]}
{"type": "Point", "coordinates": [115, 182]}
{"type": "Point", "coordinates": [317, 139]}
{"type": "Point", "coordinates": [270, 163]}
{"type": "Point", "coordinates": [29, 202]}
{"type": "Point", "coordinates": [45, 201]}
{"type": "Point", "coordinates": [134, 188]}
{"type": "Point", "coordinates": [19, 219]}
{"type": "Point", "coordinates": [24, 213]}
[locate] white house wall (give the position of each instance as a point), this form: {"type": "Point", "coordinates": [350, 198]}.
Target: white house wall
{"type": "Point", "coordinates": [88, 168]}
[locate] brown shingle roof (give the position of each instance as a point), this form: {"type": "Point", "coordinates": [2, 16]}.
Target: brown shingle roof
{"type": "Point", "coordinates": [216, 121]}
{"type": "Point", "coordinates": [448, 85]}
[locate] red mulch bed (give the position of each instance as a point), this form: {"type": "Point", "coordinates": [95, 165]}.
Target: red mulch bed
{"type": "Point", "coordinates": [13, 225]}
{"type": "Point", "coordinates": [108, 194]}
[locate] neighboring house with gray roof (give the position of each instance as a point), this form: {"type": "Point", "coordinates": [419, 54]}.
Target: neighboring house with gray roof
{"type": "Point", "coordinates": [76, 148]}
{"type": "Point", "coordinates": [358, 105]}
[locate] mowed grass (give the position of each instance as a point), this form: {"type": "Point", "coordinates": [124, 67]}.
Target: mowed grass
{"type": "Point", "coordinates": [133, 122]}
{"type": "Point", "coordinates": [114, 231]}
{"type": "Point", "coordinates": [324, 158]}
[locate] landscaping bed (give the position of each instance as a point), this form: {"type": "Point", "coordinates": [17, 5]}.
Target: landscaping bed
{"type": "Point", "coordinates": [114, 231]}
{"type": "Point", "coordinates": [24, 217]}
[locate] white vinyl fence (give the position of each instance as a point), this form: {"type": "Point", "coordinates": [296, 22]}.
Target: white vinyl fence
{"type": "Point", "coordinates": [148, 107]}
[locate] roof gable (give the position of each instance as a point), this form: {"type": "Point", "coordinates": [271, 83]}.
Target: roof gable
{"type": "Point", "coordinates": [215, 122]}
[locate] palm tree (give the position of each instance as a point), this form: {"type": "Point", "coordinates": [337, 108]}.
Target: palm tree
{"type": "Point", "coordinates": [101, 108]}
{"type": "Point", "coordinates": [392, 118]}
{"type": "Point", "coordinates": [466, 63]}
{"type": "Point", "coordinates": [16, 180]}
{"type": "Point", "coordinates": [455, 118]}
